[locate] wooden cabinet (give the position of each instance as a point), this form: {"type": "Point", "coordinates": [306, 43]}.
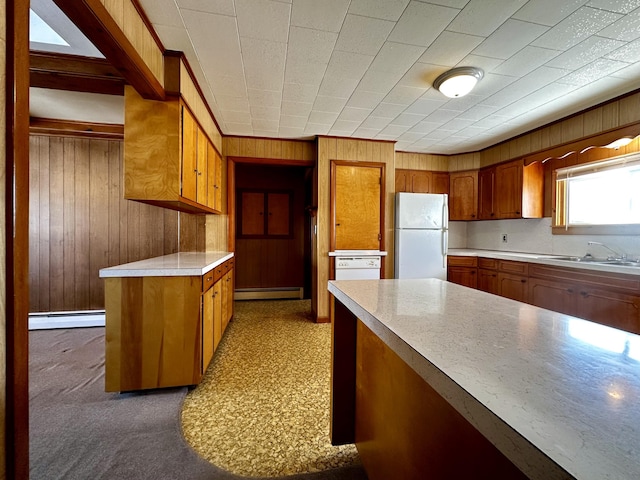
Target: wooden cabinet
{"type": "Point", "coordinates": [607, 298]}
{"type": "Point", "coordinates": [503, 277]}
{"type": "Point", "coordinates": [463, 195]}
{"type": "Point", "coordinates": [163, 331]}
{"type": "Point", "coordinates": [486, 194]}
{"type": "Point", "coordinates": [511, 190]}
{"type": "Point", "coordinates": [168, 159]}
{"type": "Point", "coordinates": [462, 270]}
{"type": "Point", "coordinates": [265, 214]}
{"type": "Point", "coordinates": [421, 181]}
{"type": "Point", "coordinates": [512, 280]}
{"type": "Point", "coordinates": [488, 275]}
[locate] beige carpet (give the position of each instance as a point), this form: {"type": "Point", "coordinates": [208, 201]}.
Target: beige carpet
{"type": "Point", "coordinates": [263, 407]}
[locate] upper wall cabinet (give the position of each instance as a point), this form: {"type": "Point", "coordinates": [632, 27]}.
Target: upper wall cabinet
{"type": "Point", "coordinates": [511, 190]}
{"type": "Point", "coordinates": [169, 161]}
{"type": "Point", "coordinates": [421, 181]}
{"type": "Point", "coordinates": [463, 195]}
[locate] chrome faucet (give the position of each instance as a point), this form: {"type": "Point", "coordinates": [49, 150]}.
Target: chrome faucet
{"type": "Point", "coordinates": [618, 256]}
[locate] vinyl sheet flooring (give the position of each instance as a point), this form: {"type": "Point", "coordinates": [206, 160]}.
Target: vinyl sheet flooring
{"type": "Point", "coordinates": [263, 406]}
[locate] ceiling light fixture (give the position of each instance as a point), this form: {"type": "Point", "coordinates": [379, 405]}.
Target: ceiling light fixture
{"type": "Point", "coordinates": [459, 81]}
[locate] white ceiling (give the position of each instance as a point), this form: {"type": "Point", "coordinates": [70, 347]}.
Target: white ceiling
{"type": "Point", "coordinates": [364, 68]}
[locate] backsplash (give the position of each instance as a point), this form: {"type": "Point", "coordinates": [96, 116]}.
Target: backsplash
{"type": "Point", "coordinates": [534, 236]}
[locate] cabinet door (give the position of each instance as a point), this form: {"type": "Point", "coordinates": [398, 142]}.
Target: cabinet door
{"type": "Point", "coordinates": [212, 185]}
{"type": "Point", "coordinates": [486, 192]}
{"type": "Point", "coordinates": [202, 168]}
{"type": "Point", "coordinates": [217, 313]}
{"type": "Point", "coordinates": [357, 207]}
{"type": "Point", "coordinates": [403, 182]}
{"type": "Point", "coordinates": [208, 329]}
{"type": "Point", "coordinates": [508, 196]}
{"type": "Point", "coordinates": [619, 310]}
{"type": "Point", "coordinates": [463, 195]}
{"type": "Point", "coordinates": [513, 286]}
{"type": "Point", "coordinates": [552, 295]}
{"type": "Point", "coordinates": [218, 180]}
{"type": "Point", "coordinates": [466, 276]}
{"type": "Point", "coordinates": [279, 214]}
{"type": "Point", "coordinates": [230, 291]}
{"type": "Point", "coordinates": [252, 213]}
{"type": "Point", "coordinates": [440, 182]}
{"type": "Point", "coordinates": [420, 181]}
{"type": "Point", "coordinates": [488, 281]}
{"type": "Point", "coordinates": [224, 293]}
{"type": "Point", "coordinates": [189, 155]}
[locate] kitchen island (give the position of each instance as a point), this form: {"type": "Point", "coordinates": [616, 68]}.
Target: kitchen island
{"type": "Point", "coordinates": [434, 379]}
{"type": "Point", "coordinates": [164, 318]}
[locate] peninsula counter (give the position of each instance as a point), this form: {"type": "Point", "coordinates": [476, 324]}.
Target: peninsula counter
{"type": "Point", "coordinates": [434, 379]}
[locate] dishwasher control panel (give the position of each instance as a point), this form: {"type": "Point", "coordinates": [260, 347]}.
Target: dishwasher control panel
{"type": "Point", "coordinates": [357, 262]}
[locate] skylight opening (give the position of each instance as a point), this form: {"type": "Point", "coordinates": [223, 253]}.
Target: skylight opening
{"type": "Point", "coordinates": [41, 32]}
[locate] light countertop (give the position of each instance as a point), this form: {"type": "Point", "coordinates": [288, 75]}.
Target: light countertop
{"type": "Point", "coordinates": [176, 264]}
{"type": "Point", "coordinates": [545, 259]}
{"type": "Point", "coordinates": [557, 395]}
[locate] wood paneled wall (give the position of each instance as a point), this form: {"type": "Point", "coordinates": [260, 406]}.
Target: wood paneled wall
{"type": "Point", "coordinates": [269, 148]}
{"type": "Point", "coordinates": [80, 222]}
{"type": "Point", "coordinates": [617, 113]}
{"type": "Point", "coordinates": [331, 148]}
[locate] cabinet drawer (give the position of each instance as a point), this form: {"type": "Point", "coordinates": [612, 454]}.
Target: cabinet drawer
{"type": "Point", "coordinates": [488, 263]}
{"type": "Point", "coordinates": [207, 280]}
{"type": "Point", "coordinates": [509, 266]}
{"type": "Point", "coordinates": [457, 261]}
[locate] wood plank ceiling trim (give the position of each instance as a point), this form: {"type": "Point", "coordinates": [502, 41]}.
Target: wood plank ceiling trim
{"type": "Point", "coordinates": [93, 19]}
{"type": "Point", "coordinates": [50, 126]}
{"type": "Point", "coordinates": [74, 73]}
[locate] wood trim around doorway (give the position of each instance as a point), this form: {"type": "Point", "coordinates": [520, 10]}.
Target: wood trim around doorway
{"type": "Point", "coordinates": [15, 431]}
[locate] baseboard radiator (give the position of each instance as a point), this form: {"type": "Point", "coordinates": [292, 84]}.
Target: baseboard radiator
{"type": "Point", "coordinates": [268, 293]}
{"type": "Point", "coordinates": [83, 318]}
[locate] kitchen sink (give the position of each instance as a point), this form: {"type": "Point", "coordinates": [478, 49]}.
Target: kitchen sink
{"type": "Point", "coordinates": [598, 261]}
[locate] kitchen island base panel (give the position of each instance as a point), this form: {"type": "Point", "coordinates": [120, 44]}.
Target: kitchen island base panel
{"type": "Point", "coordinates": [405, 429]}
{"type": "Point", "coordinates": [153, 332]}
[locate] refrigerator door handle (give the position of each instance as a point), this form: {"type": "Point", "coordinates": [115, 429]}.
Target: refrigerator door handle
{"type": "Point", "coordinates": [445, 212]}
{"type": "Point", "coordinates": [445, 247]}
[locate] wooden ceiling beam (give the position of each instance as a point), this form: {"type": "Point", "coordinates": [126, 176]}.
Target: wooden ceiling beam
{"type": "Point", "coordinates": [94, 21]}
{"type": "Point", "coordinates": [75, 73]}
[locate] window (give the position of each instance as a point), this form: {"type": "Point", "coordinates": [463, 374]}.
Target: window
{"type": "Point", "coordinates": [602, 195]}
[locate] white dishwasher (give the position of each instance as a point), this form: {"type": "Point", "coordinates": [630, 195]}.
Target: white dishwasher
{"type": "Point", "coordinates": [357, 268]}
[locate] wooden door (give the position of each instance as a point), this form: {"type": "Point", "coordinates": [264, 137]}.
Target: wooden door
{"type": "Point", "coordinates": [212, 180]}
{"type": "Point", "coordinates": [440, 182]}
{"type": "Point", "coordinates": [189, 155]}
{"type": "Point", "coordinates": [615, 309]}
{"type": "Point", "coordinates": [202, 170]}
{"type": "Point", "coordinates": [208, 329]}
{"type": "Point", "coordinates": [466, 276]}
{"type": "Point", "coordinates": [513, 286]}
{"type": "Point", "coordinates": [509, 190]}
{"type": "Point", "coordinates": [486, 193]}
{"type": "Point", "coordinates": [230, 291]}
{"type": "Point", "coordinates": [218, 179]}
{"type": "Point", "coordinates": [357, 194]}
{"type": "Point", "coordinates": [488, 281]}
{"type": "Point", "coordinates": [421, 181]}
{"type": "Point", "coordinates": [463, 195]}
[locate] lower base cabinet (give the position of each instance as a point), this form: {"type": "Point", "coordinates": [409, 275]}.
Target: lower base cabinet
{"type": "Point", "coordinates": [603, 297]}
{"type": "Point", "coordinates": [163, 331]}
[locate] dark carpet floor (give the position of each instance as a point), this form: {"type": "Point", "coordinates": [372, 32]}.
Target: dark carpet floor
{"type": "Point", "coordinates": [77, 431]}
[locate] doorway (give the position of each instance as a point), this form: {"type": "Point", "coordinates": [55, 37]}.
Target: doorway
{"type": "Point", "coordinates": [272, 234]}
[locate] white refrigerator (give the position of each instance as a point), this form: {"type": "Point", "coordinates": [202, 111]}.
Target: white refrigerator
{"type": "Point", "coordinates": [421, 234]}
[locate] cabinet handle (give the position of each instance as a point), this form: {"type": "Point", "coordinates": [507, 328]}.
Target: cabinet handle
{"type": "Point", "coordinates": [492, 214]}
{"type": "Point", "coordinates": [473, 216]}
{"type": "Point", "coordinates": [472, 272]}
{"type": "Point", "coordinates": [523, 280]}
{"type": "Point", "coordinates": [584, 294]}
{"type": "Point", "coordinates": [195, 170]}
{"type": "Point", "coordinates": [517, 213]}
{"type": "Point", "coordinates": [208, 279]}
